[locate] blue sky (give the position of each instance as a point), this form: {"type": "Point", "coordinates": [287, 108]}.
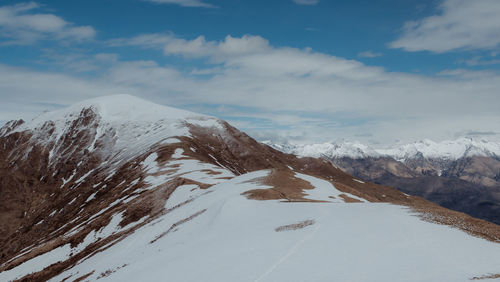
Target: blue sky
{"type": "Point", "coordinates": [300, 70]}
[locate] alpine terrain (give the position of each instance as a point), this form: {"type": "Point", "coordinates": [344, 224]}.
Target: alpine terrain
{"type": "Point", "coordinates": [462, 174]}
{"type": "Point", "coordinates": [120, 189]}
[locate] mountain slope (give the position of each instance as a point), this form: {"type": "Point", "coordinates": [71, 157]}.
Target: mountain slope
{"type": "Point", "coordinates": [121, 189]}
{"type": "Point", "coordinates": [462, 175]}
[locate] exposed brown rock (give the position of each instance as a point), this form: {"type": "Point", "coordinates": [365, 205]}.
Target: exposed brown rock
{"type": "Point", "coordinates": [294, 226]}
{"type": "Point", "coordinates": [484, 277]}
{"type": "Point", "coordinates": [83, 277]}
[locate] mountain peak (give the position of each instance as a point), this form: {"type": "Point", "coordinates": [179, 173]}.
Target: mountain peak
{"type": "Point", "coordinates": [112, 124]}
{"type": "Point", "coordinates": [120, 107]}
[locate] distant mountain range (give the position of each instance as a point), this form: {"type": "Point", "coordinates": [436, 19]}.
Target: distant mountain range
{"type": "Point", "coordinates": [462, 174]}
{"type": "Point", "coordinates": [449, 150]}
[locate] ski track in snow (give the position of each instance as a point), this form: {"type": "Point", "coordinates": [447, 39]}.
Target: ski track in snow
{"type": "Point", "coordinates": [290, 252]}
{"type": "Point", "coordinates": [294, 248]}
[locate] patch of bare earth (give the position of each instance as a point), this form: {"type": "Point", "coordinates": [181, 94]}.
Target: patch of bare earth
{"type": "Point", "coordinates": [211, 172]}
{"type": "Point", "coordinates": [109, 272]}
{"type": "Point", "coordinates": [285, 186]}
{"type": "Point", "coordinates": [199, 184]}
{"type": "Point", "coordinates": [175, 225]}
{"type": "Point", "coordinates": [82, 278]}
{"type": "Point", "coordinates": [295, 226]}
{"type": "Point", "coordinates": [484, 277]}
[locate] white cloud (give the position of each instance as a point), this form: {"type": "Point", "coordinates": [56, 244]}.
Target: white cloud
{"type": "Point", "coordinates": [286, 91]}
{"type": "Point", "coordinates": [479, 61]}
{"type": "Point", "coordinates": [198, 47]}
{"type": "Point", "coordinates": [20, 25]}
{"type": "Point", "coordinates": [184, 3]}
{"type": "Point", "coordinates": [24, 87]}
{"type": "Point", "coordinates": [461, 24]}
{"type": "Point", "coordinates": [306, 2]}
{"type": "Point", "coordinates": [149, 40]}
{"type": "Point", "coordinates": [369, 54]}
{"type": "Point", "coordinates": [230, 47]}
{"type": "Point", "coordinates": [77, 62]}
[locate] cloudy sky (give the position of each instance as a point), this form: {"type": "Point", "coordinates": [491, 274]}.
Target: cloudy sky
{"type": "Point", "coordinates": [299, 70]}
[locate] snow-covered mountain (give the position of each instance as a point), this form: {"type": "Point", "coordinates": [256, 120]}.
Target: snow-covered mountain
{"type": "Point", "coordinates": [112, 124]}
{"type": "Point", "coordinates": [329, 150]}
{"type": "Point", "coordinates": [120, 189]}
{"type": "Point", "coordinates": [448, 150]}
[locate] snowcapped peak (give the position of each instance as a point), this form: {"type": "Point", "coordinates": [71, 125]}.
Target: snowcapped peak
{"type": "Point", "coordinates": [448, 149]}
{"type": "Point", "coordinates": [426, 148]}
{"type": "Point", "coordinates": [119, 125]}
{"type": "Point", "coordinates": [329, 150]}
{"type": "Point", "coordinates": [120, 107]}
{"type": "Point", "coordinates": [118, 111]}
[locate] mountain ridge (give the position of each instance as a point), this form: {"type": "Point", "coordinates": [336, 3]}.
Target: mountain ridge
{"type": "Point", "coordinates": [447, 149]}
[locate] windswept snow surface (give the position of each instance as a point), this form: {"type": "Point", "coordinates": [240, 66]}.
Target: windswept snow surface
{"type": "Point", "coordinates": [217, 234]}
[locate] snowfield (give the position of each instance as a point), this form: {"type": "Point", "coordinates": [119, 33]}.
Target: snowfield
{"type": "Point", "coordinates": [220, 235]}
